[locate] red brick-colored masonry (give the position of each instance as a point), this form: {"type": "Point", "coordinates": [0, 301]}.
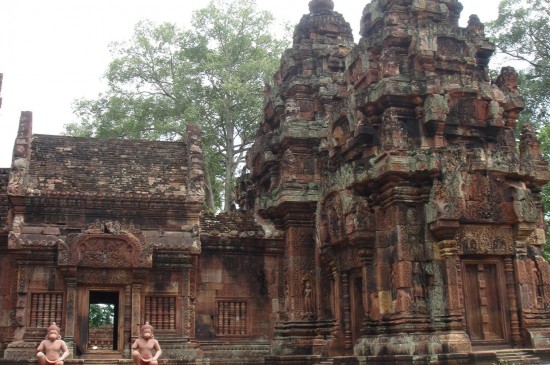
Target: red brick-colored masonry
{"type": "Point", "coordinates": [391, 214]}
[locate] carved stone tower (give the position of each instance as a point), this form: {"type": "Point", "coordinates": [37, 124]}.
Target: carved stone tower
{"type": "Point", "coordinates": [285, 163]}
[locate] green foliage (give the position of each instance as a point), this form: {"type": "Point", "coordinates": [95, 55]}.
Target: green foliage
{"type": "Point", "coordinates": [521, 33]}
{"type": "Point", "coordinates": [101, 314]}
{"type": "Point", "coordinates": [212, 74]}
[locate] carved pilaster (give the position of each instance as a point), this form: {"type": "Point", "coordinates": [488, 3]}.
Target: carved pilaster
{"type": "Point", "coordinates": [71, 307]}
{"type": "Point", "coordinates": [127, 320]}
{"type": "Point", "coordinates": [300, 264]}
{"type": "Point", "coordinates": [512, 300]}
{"type": "Point", "coordinates": [452, 267]}
{"type": "Point", "coordinates": [347, 310]}
{"type": "Point", "coordinates": [136, 310]}
{"type": "Point", "coordinates": [187, 307]}
{"type": "Point", "coordinates": [366, 261]}
{"type": "Point", "coordinates": [23, 279]}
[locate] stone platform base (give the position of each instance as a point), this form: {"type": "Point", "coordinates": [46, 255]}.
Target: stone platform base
{"type": "Point", "coordinates": [224, 353]}
{"type": "Point", "coordinates": [411, 344]}
{"type": "Point", "coordinates": [486, 357]}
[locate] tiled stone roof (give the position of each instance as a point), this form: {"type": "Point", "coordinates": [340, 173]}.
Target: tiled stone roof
{"type": "Point", "coordinates": [90, 165]}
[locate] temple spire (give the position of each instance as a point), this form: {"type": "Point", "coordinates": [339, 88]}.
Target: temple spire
{"type": "Point", "coordinates": [316, 6]}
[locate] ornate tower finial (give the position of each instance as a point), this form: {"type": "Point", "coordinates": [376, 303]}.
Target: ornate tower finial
{"type": "Point", "coordinates": [316, 6]}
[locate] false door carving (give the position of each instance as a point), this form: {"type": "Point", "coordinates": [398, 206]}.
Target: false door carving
{"type": "Point", "coordinates": [484, 301]}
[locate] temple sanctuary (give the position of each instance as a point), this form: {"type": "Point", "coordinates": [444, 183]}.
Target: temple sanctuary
{"type": "Point", "coordinates": [390, 214]}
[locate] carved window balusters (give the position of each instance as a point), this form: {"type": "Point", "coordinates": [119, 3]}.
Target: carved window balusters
{"type": "Point", "coordinates": [45, 309]}
{"type": "Point", "coordinates": [232, 318]}
{"type": "Point", "coordinates": [160, 312]}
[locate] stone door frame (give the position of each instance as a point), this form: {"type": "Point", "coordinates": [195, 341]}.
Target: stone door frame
{"type": "Point", "coordinates": [82, 315]}
{"type": "Point", "coordinates": [483, 293]}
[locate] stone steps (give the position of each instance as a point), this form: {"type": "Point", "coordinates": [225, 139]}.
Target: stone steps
{"type": "Point", "coordinates": [518, 357]}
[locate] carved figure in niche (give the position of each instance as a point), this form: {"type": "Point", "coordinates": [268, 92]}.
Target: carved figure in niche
{"type": "Point", "coordinates": [291, 165]}
{"type": "Point", "coordinates": [49, 349]}
{"type": "Point", "coordinates": [475, 25]}
{"type": "Point", "coordinates": [287, 300]}
{"type": "Point", "coordinates": [17, 173]}
{"type": "Point", "coordinates": [340, 134]}
{"type": "Point", "coordinates": [419, 283]}
{"type": "Point", "coordinates": [529, 146]}
{"type": "Point", "coordinates": [538, 284]}
{"type": "Point", "coordinates": [472, 248]}
{"type": "Point", "coordinates": [392, 134]}
{"type": "Point", "coordinates": [325, 236]}
{"type": "Point", "coordinates": [292, 110]}
{"type": "Point", "coordinates": [524, 205]}
{"type": "Point", "coordinates": [389, 65]}
{"type": "Point", "coordinates": [541, 279]}
{"type": "Point", "coordinates": [506, 139]}
{"type": "Point", "coordinates": [308, 297]}
{"type": "Point", "coordinates": [508, 79]}
{"type": "Point", "coordinates": [142, 349]}
{"type": "Point", "coordinates": [333, 224]}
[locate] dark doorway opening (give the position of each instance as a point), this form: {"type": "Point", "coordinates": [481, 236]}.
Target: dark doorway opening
{"type": "Point", "coordinates": [103, 320]}
{"type": "Point", "coordinates": [357, 309]}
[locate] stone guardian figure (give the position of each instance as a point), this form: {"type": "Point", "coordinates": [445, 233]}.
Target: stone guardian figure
{"type": "Point", "coordinates": [49, 349]}
{"type": "Point", "coordinates": [142, 349]}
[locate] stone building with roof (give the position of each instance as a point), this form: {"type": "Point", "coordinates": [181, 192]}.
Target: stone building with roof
{"type": "Point", "coordinates": [391, 215]}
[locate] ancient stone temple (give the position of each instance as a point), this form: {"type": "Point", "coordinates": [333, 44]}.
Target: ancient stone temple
{"type": "Point", "coordinates": [391, 214]}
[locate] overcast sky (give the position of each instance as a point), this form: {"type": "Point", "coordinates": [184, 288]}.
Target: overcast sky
{"type": "Point", "coordinates": [55, 51]}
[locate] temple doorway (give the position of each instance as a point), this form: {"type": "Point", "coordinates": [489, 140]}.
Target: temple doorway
{"type": "Point", "coordinates": [103, 320]}
{"type": "Point", "coordinates": [357, 309]}
{"type": "Point", "coordinates": [100, 317]}
{"type": "Point", "coordinates": [485, 302]}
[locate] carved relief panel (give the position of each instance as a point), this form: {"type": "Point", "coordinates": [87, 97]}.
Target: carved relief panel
{"type": "Point", "coordinates": [109, 251]}
{"type": "Point", "coordinates": [483, 240]}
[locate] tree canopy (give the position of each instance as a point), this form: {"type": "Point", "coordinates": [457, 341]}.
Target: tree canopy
{"type": "Point", "coordinates": [212, 74]}
{"type": "Point", "coordinates": [521, 33]}
{"type": "Point", "coordinates": [101, 314]}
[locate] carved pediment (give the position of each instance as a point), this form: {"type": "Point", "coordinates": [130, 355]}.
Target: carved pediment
{"type": "Point", "coordinates": [106, 250]}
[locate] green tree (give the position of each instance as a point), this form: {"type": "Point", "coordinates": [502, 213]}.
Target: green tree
{"type": "Point", "coordinates": [212, 74]}
{"type": "Point", "coordinates": [101, 314]}
{"type": "Point", "coordinates": [521, 33]}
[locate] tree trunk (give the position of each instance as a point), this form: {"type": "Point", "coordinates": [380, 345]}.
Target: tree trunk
{"type": "Point", "coordinates": [210, 204]}
{"type": "Point", "coordinates": [229, 163]}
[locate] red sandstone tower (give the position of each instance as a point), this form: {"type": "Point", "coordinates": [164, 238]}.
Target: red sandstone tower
{"type": "Point", "coordinates": [427, 232]}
